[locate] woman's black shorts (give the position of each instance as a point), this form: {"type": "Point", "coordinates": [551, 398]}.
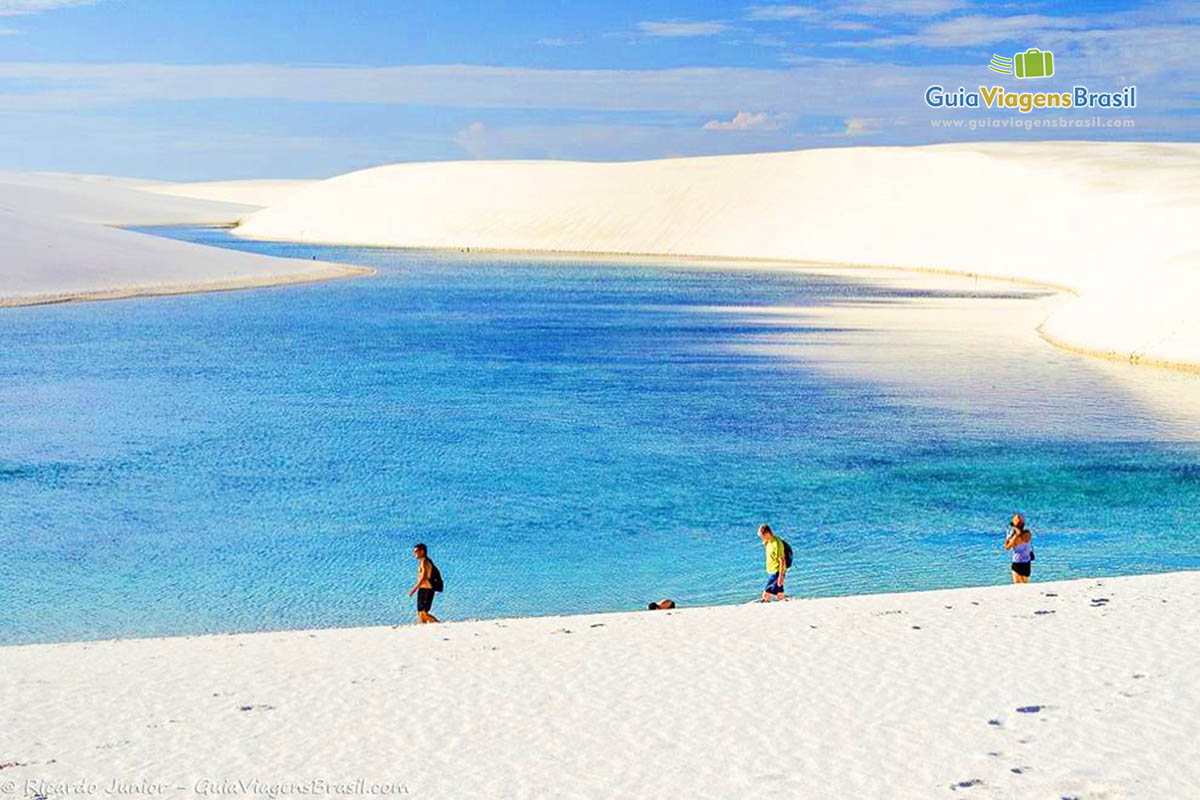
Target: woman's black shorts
{"type": "Point", "coordinates": [425, 599]}
{"type": "Point", "coordinates": [1021, 568]}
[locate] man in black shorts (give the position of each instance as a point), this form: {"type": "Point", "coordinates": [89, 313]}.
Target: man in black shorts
{"type": "Point", "coordinates": [424, 587]}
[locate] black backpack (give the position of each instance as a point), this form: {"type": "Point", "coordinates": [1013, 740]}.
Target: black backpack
{"type": "Point", "coordinates": [787, 554]}
{"type": "Point", "coordinates": [435, 577]}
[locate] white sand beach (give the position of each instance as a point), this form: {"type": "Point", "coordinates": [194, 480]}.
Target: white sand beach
{"type": "Point", "coordinates": [1078, 689]}
{"type": "Point", "coordinates": [1113, 223]}
{"type": "Point", "coordinates": [61, 243]}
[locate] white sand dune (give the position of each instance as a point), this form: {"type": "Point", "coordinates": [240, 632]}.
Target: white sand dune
{"type": "Point", "coordinates": [1114, 223]}
{"type": "Point", "coordinates": [1077, 689]}
{"type": "Point", "coordinates": [59, 243]}
{"type": "Point", "coordinates": [258, 193]}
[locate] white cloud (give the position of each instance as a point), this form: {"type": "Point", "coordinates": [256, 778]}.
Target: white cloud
{"type": "Point", "coordinates": [746, 121]}
{"type": "Point", "coordinates": [554, 41]}
{"type": "Point", "coordinates": [805, 60]}
{"type": "Point", "coordinates": [9, 31]}
{"type": "Point", "coordinates": [861, 126]}
{"type": "Point", "coordinates": [777, 12]}
{"type": "Point", "coordinates": [10, 8]}
{"type": "Point", "coordinates": [818, 87]}
{"type": "Point", "coordinates": [902, 8]}
{"type": "Point", "coordinates": [835, 88]}
{"type": "Point", "coordinates": [681, 29]}
{"type": "Point", "coordinates": [850, 25]}
{"type": "Point", "coordinates": [473, 139]}
{"type": "Point", "coordinates": [978, 29]}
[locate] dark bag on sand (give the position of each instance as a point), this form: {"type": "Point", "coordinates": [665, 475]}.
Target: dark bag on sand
{"type": "Point", "coordinates": [435, 577]}
{"type": "Point", "coordinates": [787, 554]}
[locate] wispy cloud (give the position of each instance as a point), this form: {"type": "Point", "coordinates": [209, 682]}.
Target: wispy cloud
{"type": "Point", "coordinates": [818, 86]}
{"type": "Point", "coordinates": [902, 8]}
{"type": "Point", "coordinates": [698, 90]}
{"type": "Point", "coordinates": [554, 41]}
{"type": "Point", "coordinates": [9, 31]}
{"type": "Point", "coordinates": [861, 126]}
{"type": "Point", "coordinates": [746, 121]}
{"type": "Point", "coordinates": [979, 29]}
{"type": "Point", "coordinates": [681, 29]}
{"type": "Point", "coordinates": [10, 8]}
{"type": "Point", "coordinates": [768, 41]}
{"type": "Point", "coordinates": [850, 25]}
{"type": "Point", "coordinates": [474, 139]}
{"type": "Point", "coordinates": [780, 12]}
{"type": "Point", "coordinates": [807, 60]}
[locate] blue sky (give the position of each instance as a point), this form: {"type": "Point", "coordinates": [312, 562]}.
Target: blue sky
{"type": "Point", "coordinates": [221, 89]}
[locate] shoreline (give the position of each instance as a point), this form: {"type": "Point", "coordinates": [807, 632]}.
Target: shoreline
{"type": "Point", "coordinates": [330, 272]}
{"type": "Point", "coordinates": [1133, 359]}
{"type": "Point", "coordinates": [587, 615]}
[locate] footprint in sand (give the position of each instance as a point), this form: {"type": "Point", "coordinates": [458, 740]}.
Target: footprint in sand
{"type": "Point", "coordinates": [1042, 611]}
{"type": "Point", "coordinates": [967, 784]}
{"type": "Point", "coordinates": [256, 707]}
{"type": "Point", "coordinates": [113, 745]}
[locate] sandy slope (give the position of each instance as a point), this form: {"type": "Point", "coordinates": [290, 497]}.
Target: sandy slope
{"type": "Point", "coordinates": [1082, 689]}
{"type": "Point", "coordinates": [1113, 222]}
{"type": "Point", "coordinates": [258, 193]}
{"type": "Point", "coordinates": [59, 243]}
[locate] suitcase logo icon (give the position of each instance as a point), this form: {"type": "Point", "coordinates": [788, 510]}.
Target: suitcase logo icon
{"type": "Point", "coordinates": [1033, 63]}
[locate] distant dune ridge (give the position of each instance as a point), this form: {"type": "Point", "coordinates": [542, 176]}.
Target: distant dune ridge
{"type": "Point", "coordinates": [1114, 223]}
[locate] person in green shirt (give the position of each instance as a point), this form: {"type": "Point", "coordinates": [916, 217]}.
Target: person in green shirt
{"type": "Point", "coordinates": [776, 564]}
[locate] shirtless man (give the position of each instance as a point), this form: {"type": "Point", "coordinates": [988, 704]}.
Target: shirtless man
{"type": "Point", "coordinates": [423, 588]}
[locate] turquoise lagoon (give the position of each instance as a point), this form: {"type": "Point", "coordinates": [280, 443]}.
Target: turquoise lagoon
{"type": "Point", "coordinates": [566, 435]}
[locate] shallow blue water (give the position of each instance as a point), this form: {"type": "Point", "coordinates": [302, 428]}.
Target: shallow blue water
{"type": "Point", "coordinates": [564, 436]}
